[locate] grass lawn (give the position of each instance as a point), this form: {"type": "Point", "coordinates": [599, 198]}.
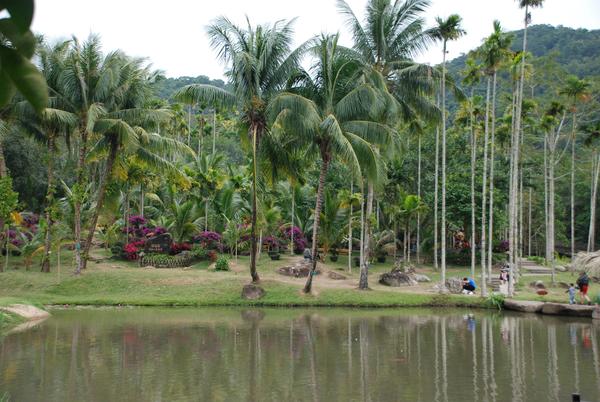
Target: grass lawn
{"type": "Point", "coordinates": [111, 282]}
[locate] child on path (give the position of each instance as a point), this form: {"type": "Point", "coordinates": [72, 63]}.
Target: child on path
{"type": "Point", "coordinates": [571, 291]}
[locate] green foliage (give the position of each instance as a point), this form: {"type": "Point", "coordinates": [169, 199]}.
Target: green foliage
{"type": "Point", "coordinates": [495, 300]}
{"type": "Point", "coordinates": [198, 252]}
{"type": "Point", "coordinates": [222, 264]}
{"type": "Point", "coordinates": [17, 47]}
{"type": "Point", "coordinates": [8, 198]}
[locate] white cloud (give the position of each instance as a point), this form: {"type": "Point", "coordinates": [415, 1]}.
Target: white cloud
{"type": "Point", "coordinates": [171, 34]}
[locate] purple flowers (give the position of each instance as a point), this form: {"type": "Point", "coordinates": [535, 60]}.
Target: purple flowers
{"type": "Point", "coordinates": [209, 240]}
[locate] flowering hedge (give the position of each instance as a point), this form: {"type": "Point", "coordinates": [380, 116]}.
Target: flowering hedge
{"type": "Point", "coordinates": [209, 240]}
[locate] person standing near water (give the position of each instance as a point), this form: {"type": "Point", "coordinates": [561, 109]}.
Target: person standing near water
{"type": "Point", "coordinates": [583, 283]}
{"type": "Point", "coordinates": [571, 291]}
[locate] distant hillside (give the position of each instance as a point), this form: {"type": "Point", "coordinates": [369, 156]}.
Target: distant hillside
{"type": "Point", "coordinates": [577, 50]}
{"type": "Point", "coordinates": [166, 87]}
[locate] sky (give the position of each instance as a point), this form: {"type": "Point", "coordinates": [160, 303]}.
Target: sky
{"type": "Point", "coordinates": [171, 34]}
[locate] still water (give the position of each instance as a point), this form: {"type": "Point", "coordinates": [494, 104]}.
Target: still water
{"type": "Point", "coordinates": [150, 354]}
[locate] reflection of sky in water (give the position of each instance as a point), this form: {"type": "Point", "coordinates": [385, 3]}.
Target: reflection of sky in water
{"type": "Point", "coordinates": [297, 355]}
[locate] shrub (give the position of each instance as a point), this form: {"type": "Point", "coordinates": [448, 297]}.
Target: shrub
{"type": "Point", "coordinates": [131, 250]}
{"type": "Point", "coordinates": [209, 240]}
{"type": "Point", "coordinates": [199, 252]}
{"type": "Point", "coordinates": [177, 248]}
{"type": "Point", "coordinates": [495, 300]}
{"type": "Point", "coordinates": [222, 264]}
{"type": "Point", "coordinates": [212, 255]}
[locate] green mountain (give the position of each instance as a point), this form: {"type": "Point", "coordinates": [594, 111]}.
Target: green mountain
{"type": "Point", "coordinates": [166, 87]}
{"type": "Point", "coordinates": [576, 50]}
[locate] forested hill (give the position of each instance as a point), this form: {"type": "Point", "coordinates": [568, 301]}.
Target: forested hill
{"type": "Point", "coordinates": [576, 50]}
{"type": "Point", "coordinates": [167, 86]}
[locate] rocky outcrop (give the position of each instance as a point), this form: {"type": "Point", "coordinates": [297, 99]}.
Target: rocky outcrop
{"type": "Point", "coordinates": [252, 292]}
{"type": "Point", "coordinates": [454, 285]}
{"type": "Point", "coordinates": [421, 278]}
{"type": "Point", "coordinates": [573, 310]}
{"type": "Point", "coordinates": [300, 269]}
{"type": "Point", "coordinates": [397, 278]}
{"type": "Point", "coordinates": [523, 306]}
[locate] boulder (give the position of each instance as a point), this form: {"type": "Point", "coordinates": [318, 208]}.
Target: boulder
{"type": "Point", "coordinates": [298, 270]}
{"type": "Point", "coordinates": [336, 276]}
{"type": "Point", "coordinates": [560, 268]}
{"type": "Point", "coordinates": [26, 311]}
{"type": "Point", "coordinates": [421, 278]}
{"type": "Point", "coordinates": [596, 313]}
{"type": "Point", "coordinates": [541, 292]}
{"type": "Point", "coordinates": [454, 285]}
{"type": "Point", "coordinates": [573, 310]}
{"type": "Point", "coordinates": [252, 292]}
{"type": "Point", "coordinates": [397, 278]}
{"type": "Point", "coordinates": [523, 306]}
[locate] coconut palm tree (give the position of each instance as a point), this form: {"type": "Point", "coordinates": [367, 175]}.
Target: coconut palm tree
{"type": "Point", "coordinates": [259, 62]}
{"type": "Point", "coordinates": [577, 91]}
{"type": "Point", "coordinates": [445, 30]}
{"type": "Point", "coordinates": [330, 109]}
{"type": "Point", "coordinates": [391, 35]}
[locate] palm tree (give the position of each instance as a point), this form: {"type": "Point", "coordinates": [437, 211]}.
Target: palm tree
{"type": "Point", "coordinates": [411, 206]}
{"type": "Point", "coordinates": [494, 52]}
{"type": "Point", "coordinates": [591, 140]}
{"type": "Point", "coordinates": [577, 91]}
{"type": "Point", "coordinates": [391, 36]}
{"type": "Point", "coordinates": [259, 61]}
{"type": "Point", "coordinates": [328, 109]}
{"type": "Point", "coordinates": [332, 222]}
{"type": "Point", "coordinates": [446, 30]}
{"type": "Point", "coordinates": [515, 147]}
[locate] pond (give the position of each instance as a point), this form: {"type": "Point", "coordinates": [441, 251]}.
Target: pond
{"type": "Point", "coordinates": [159, 354]}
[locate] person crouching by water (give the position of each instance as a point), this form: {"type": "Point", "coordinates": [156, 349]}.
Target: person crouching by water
{"type": "Point", "coordinates": [583, 283]}
{"type": "Point", "coordinates": [468, 286]}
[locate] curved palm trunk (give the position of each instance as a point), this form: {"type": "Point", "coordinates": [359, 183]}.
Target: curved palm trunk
{"type": "Point", "coordinates": [363, 283]}
{"type": "Point", "coordinates": [319, 203]}
{"type": "Point", "coordinates": [253, 240]}
{"type": "Point", "coordinates": [435, 198]}
{"type": "Point", "coordinates": [292, 228]}
{"type": "Point", "coordinates": [49, 200]}
{"type": "Point", "coordinates": [418, 195]}
{"type": "Point", "coordinates": [112, 155]}
{"type": "Point", "coordinates": [350, 227]}
{"type": "Point", "coordinates": [79, 261]}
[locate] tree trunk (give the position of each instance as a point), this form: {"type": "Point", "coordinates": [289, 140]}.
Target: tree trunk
{"type": "Point", "coordinates": [142, 199]}
{"type": "Point", "coordinates": [325, 157]}
{"type": "Point", "coordinates": [6, 247]}
{"type": "Point", "coordinates": [80, 184]}
{"type": "Point", "coordinates": [591, 246]}
{"type": "Point", "coordinates": [573, 137]}
{"type": "Point", "coordinates": [435, 196]}
{"type": "Point", "coordinates": [362, 225]}
{"type": "Point", "coordinates": [3, 173]}
{"type": "Point", "coordinates": [443, 224]}
{"type": "Point", "coordinates": [551, 197]}
{"type": "Point", "coordinates": [292, 228]}
{"type": "Point", "coordinates": [253, 273]}
{"type": "Point", "coordinates": [350, 227]}
{"type": "Point", "coordinates": [515, 157]}
{"type": "Point", "coordinates": [49, 202]}
{"type": "Point", "coordinates": [490, 238]}
{"type": "Point", "coordinates": [473, 239]}
{"type": "Point", "coordinates": [100, 200]}
{"type": "Point", "coordinates": [484, 190]}
{"type": "Point", "coordinates": [363, 283]}
{"type": "Point", "coordinates": [214, 132]}
{"type": "Point", "coordinates": [546, 252]}
{"type": "Point", "coordinates": [418, 195]}
{"type": "Point", "coordinates": [529, 225]}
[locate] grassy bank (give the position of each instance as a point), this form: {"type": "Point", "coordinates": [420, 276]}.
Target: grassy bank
{"type": "Point", "coordinates": [109, 282]}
